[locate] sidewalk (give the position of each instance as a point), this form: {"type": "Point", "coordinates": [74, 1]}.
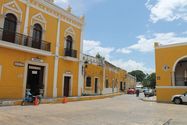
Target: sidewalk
{"type": "Point", "coordinates": [147, 99]}
{"type": "Point", "coordinates": [59, 100]}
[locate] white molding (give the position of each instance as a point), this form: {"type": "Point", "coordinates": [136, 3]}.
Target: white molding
{"type": "Point", "coordinates": [56, 11]}
{"type": "Point", "coordinates": [7, 5]}
{"type": "Point", "coordinates": [45, 77]}
{"type": "Point", "coordinates": [24, 48]}
{"type": "Point", "coordinates": [70, 32]}
{"type": "Point", "coordinates": [41, 21]}
{"type": "Point", "coordinates": [55, 80]}
{"type": "Point", "coordinates": [171, 87]}
{"type": "Point", "coordinates": [12, 10]}
{"type": "Point", "coordinates": [67, 58]}
{"type": "Point", "coordinates": [171, 45]}
{"type": "Point", "coordinates": [71, 84]}
{"type": "Point", "coordinates": [26, 19]}
{"type": "Point", "coordinates": [81, 63]}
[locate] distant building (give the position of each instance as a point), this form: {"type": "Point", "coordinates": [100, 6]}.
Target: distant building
{"type": "Point", "coordinates": [102, 77]}
{"type": "Point", "coordinates": [130, 82]}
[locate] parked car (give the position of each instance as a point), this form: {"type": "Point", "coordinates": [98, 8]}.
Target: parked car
{"type": "Point", "coordinates": [179, 99]}
{"type": "Point", "coordinates": [131, 91]}
{"type": "Point", "coordinates": [149, 92]}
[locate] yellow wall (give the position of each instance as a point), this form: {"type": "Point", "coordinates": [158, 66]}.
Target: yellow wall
{"type": "Point", "coordinates": [12, 79]}
{"type": "Point", "coordinates": [94, 71]}
{"type": "Point", "coordinates": [168, 56]}
{"type": "Point", "coordinates": [165, 94]}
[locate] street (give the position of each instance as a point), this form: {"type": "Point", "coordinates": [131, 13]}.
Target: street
{"type": "Point", "coordinates": [121, 110]}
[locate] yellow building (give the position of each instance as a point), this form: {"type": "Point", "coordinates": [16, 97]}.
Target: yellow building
{"type": "Point", "coordinates": [171, 70]}
{"type": "Point", "coordinates": [102, 77]}
{"type": "Point", "coordinates": [40, 46]}
{"type": "Point", "coordinates": [130, 82]}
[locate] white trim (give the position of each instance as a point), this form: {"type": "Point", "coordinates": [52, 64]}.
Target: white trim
{"type": "Point", "coordinates": [55, 80]}
{"type": "Point", "coordinates": [171, 87]}
{"type": "Point", "coordinates": [81, 64]}
{"type": "Point", "coordinates": [18, 9]}
{"type": "Point", "coordinates": [43, 20]}
{"type": "Point", "coordinates": [70, 32]}
{"type": "Point", "coordinates": [26, 19]}
{"type": "Point", "coordinates": [69, 58]}
{"type": "Point", "coordinates": [174, 67]}
{"type": "Point", "coordinates": [71, 84]}
{"type": "Point", "coordinates": [13, 10]}
{"type": "Point", "coordinates": [171, 45]}
{"type": "Point", "coordinates": [45, 76]}
{"type": "Point", "coordinates": [56, 12]}
{"type": "Point", "coordinates": [24, 48]}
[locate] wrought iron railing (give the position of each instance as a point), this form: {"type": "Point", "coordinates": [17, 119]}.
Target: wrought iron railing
{"type": "Point", "coordinates": [70, 52]}
{"type": "Point", "coordinates": [24, 40]}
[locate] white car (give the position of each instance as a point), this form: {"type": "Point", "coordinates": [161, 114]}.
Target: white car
{"type": "Point", "coordinates": [179, 99]}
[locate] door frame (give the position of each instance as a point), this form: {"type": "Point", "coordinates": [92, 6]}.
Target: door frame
{"type": "Point", "coordinates": [45, 76]}
{"type": "Point", "coordinates": [98, 84]}
{"type": "Point", "coordinates": [71, 84]}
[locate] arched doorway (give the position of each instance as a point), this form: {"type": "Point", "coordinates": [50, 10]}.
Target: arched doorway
{"type": "Point", "coordinates": [180, 73]}
{"type": "Point", "coordinates": [9, 29]}
{"type": "Point", "coordinates": [37, 36]}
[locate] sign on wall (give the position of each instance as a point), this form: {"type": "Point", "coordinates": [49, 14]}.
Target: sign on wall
{"type": "Point", "coordinates": [19, 64]}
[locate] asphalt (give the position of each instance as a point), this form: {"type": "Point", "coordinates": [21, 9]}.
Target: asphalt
{"type": "Point", "coordinates": [121, 110]}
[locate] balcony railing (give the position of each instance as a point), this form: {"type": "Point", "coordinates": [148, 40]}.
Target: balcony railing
{"type": "Point", "coordinates": [70, 53]}
{"type": "Point", "coordinates": [24, 40]}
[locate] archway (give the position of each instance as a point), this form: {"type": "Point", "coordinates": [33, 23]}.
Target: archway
{"type": "Point", "coordinates": [180, 72]}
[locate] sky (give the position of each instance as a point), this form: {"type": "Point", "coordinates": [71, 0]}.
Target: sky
{"type": "Point", "coordinates": [124, 31]}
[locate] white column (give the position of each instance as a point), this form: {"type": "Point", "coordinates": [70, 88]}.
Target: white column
{"type": "Point", "coordinates": [56, 60]}
{"type": "Point", "coordinates": [104, 77]}
{"type": "Point", "coordinates": [81, 63]}
{"type": "Point", "coordinates": [25, 32]}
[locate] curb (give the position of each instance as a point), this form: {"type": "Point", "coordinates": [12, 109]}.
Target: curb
{"type": "Point", "coordinates": [60, 100]}
{"type": "Point", "coordinates": [146, 100]}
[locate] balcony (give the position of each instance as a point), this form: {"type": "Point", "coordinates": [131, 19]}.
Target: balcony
{"type": "Point", "coordinates": [70, 53]}
{"type": "Point", "coordinates": [23, 40]}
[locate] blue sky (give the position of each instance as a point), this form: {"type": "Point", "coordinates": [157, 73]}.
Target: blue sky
{"type": "Point", "coordinates": [124, 31]}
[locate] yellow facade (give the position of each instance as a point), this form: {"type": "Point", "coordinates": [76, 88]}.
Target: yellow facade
{"type": "Point", "coordinates": [50, 54]}
{"type": "Point", "coordinates": [110, 78]}
{"type": "Point", "coordinates": [170, 70]}
{"type": "Point", "coordinates": [130, 82]}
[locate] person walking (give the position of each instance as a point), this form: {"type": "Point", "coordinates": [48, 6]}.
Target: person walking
{"type": "Point", "coordinates": [137, 92]}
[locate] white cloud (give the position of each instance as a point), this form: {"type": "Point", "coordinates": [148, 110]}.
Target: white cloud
{"type": "Point", "coordinates": [123, 50]}
{"type": "Point", "coordinates": [131, 65]}
{"type": "Point", "coordinates": [80, 7]}
{"type": "Point", "coordinates": [168, 10]}
{"type": "Point", "coordinates": [146, 44]}
{"type": "Point", "coordinates": [92, 47]}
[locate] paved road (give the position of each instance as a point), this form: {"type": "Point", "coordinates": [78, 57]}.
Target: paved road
{"type": "Point", "coordinates": [121, 110]}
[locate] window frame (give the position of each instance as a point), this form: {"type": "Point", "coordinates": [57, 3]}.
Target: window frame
{"type": "Point", "coordinates": [90, 84]}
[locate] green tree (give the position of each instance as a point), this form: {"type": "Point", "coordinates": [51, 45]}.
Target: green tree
{"type": "Point", "coordinates": [140, 75]}
{"type": "Point", "coordinates": [150, 80]}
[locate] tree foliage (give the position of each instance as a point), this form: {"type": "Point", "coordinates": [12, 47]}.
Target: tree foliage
{"type": "Point", "coordinates": [150, 80]}
{"type": "Point", "coordinates": [140, 75]}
